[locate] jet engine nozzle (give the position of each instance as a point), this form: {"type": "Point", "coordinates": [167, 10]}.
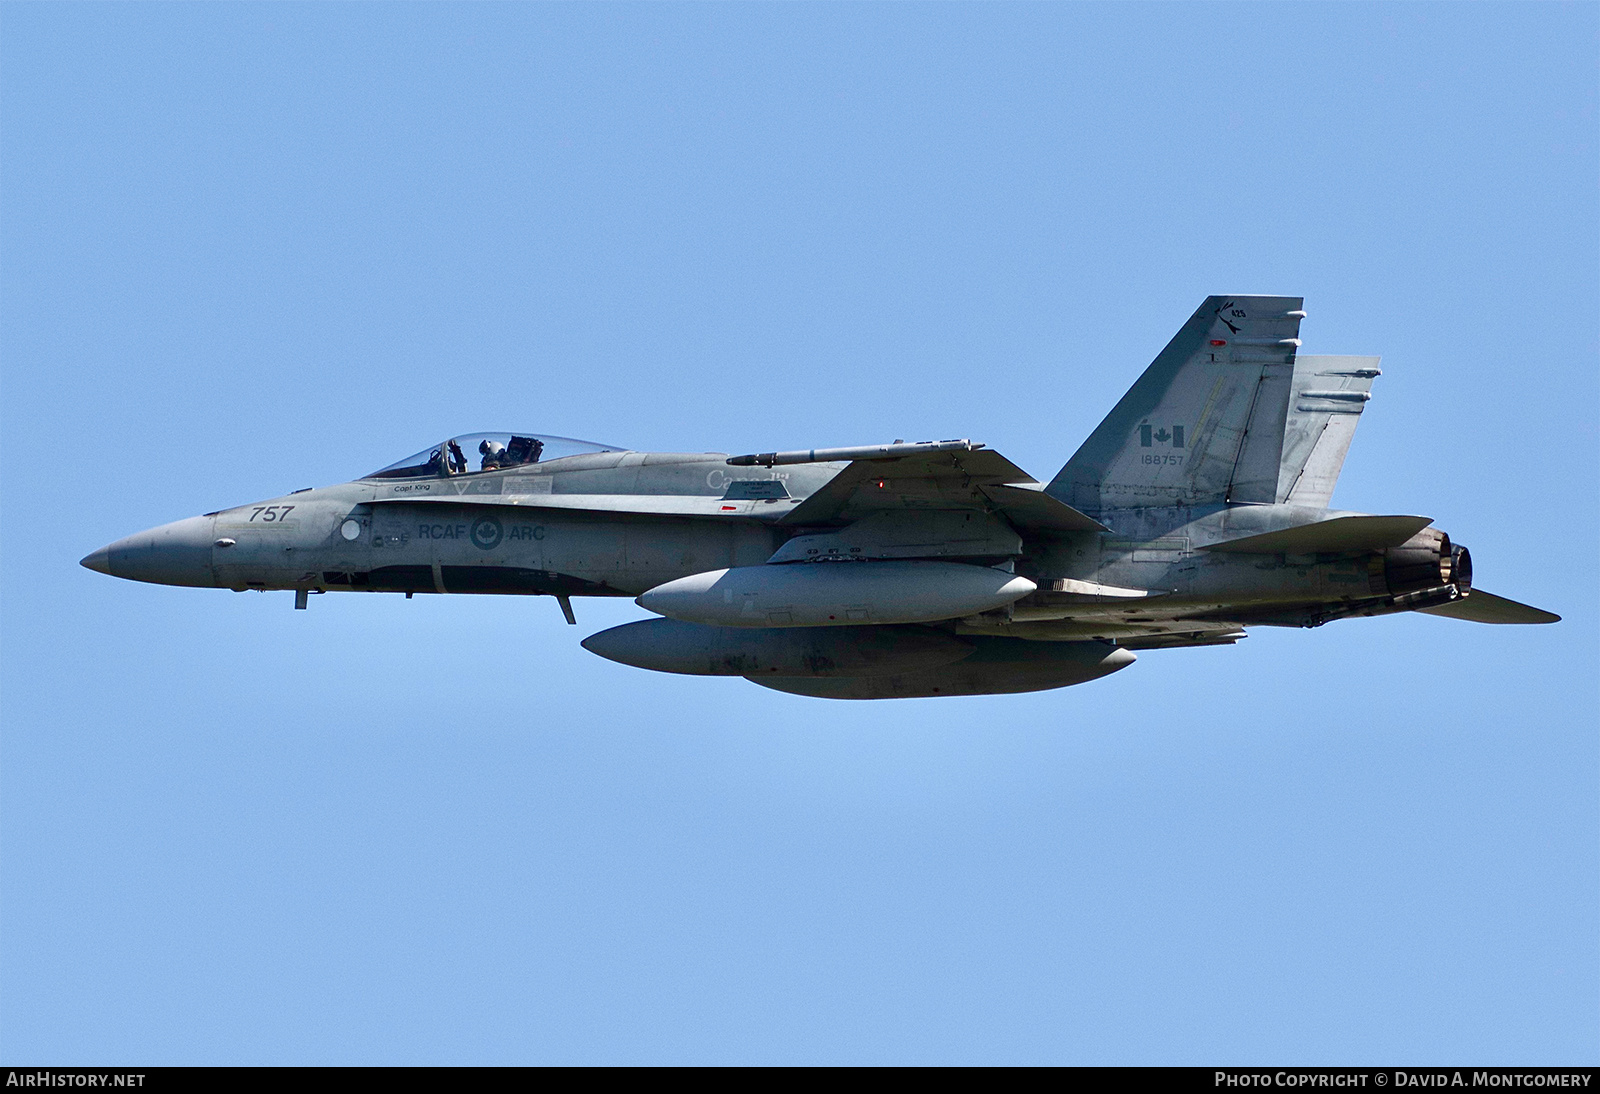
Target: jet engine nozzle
{"type": "Point", "coordinates": [1461, 568]}
{"type": "Point", "coordinates": [1428, 560]}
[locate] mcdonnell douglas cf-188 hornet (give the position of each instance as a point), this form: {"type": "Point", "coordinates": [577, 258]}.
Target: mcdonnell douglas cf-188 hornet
{"type": "Point", "coordinates": [1199, 507]}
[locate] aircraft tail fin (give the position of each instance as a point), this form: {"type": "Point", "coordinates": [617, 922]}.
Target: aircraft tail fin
{"type": "Point", "coordinates": [1205, 423]}
{"type": "Point", "coordinates": [1325, 404]}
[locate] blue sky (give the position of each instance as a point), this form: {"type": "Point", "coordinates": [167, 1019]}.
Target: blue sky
{"type": "Point", "coordinates": [249, 248]}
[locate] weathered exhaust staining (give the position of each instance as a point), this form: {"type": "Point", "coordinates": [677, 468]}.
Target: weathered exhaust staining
{"type": "Point", "coordinates": [921, 569]}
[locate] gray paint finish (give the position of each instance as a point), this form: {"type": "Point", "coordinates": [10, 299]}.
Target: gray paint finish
{"type": "Point", "coordinates": [1198, 507]}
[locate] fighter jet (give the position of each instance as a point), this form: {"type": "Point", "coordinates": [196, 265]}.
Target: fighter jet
{"type": "Point", "coordinates": [1198, 508]}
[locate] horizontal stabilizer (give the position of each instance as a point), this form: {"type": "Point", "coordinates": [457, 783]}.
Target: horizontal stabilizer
{"type": "Point", "coordinates": [1332, 536]}
{"type": "Point", "coordinates": [1481, 607]}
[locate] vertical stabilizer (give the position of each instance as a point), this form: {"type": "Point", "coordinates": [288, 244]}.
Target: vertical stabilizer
{"type": "Point", "coordinates": [1204, 424]}
{"type": "Point", "coordinates": [1325, 406]}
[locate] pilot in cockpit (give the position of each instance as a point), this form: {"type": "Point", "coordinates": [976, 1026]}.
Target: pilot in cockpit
{"type": "Point", "coordinates": [493, 453]}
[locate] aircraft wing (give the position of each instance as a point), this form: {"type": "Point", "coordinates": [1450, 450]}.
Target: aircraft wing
{"type": "Point", "coordinates": [919, 477]}
{"type": "Point", "coordinates": [1481, 607]}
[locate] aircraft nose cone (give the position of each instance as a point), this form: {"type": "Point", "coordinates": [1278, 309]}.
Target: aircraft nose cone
{"type": "Point", "coordinates": [173, 554]}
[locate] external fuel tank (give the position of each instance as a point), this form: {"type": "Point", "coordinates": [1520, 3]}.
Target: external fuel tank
{"type": "Point", "coordinates": [836, 594]}
{"type": "Point", "coordinates": [695, 649]}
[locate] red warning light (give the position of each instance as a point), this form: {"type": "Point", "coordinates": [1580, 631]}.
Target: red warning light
{"type": "Point", "coordinates": [881, 484]}
{"type": "Point", "coordinates": [1218, 342]}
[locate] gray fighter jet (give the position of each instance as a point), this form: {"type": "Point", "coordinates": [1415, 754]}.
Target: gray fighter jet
{"type": "Point", "coordinates": [1199, 507]}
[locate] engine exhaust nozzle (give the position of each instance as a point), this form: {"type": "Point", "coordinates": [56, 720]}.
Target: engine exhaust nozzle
{"type": "Point", "coordinates": [1428, 560]}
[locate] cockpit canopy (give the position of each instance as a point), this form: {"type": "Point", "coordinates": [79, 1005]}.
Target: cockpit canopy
{"type": "Point", "coordinates": [475, 453]}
